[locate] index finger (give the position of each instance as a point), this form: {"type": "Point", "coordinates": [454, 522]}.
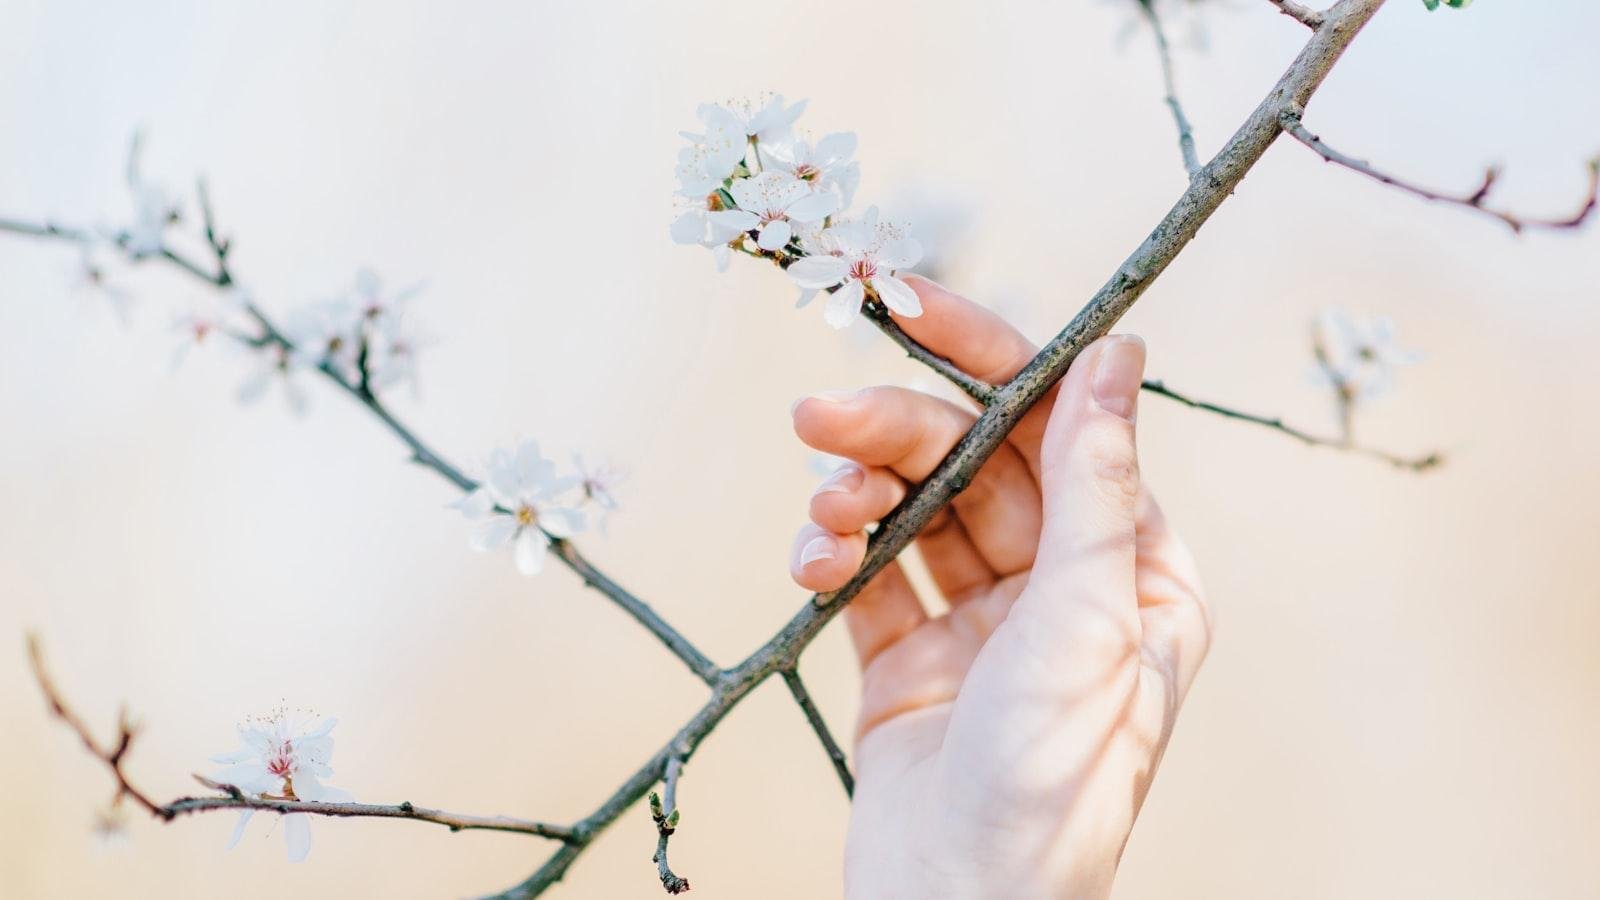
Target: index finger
{"type": "Point", "coordinates": [983, 345]}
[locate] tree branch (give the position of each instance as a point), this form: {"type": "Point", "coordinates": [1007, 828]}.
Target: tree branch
{"type": "Point", "coordinates": [1477, 200]}
{"type": "Point", "coordinates": [1191, 162]}
{"type": "Point", "coordinates": [1305, 15]}
{"type": "Point", "coordinates": [421, 453]}
{"type": "Point", "coordinates": [665, 814]}
{"type": "Point", "coordinates": [797, 689]}
{"type": "Point", "coordinates": [1206, 192]}
{"type": "Point", "coordinates": [979, 390]}
{"type": "Point", "coordinates": [1414, 464]}
{"type": "Point", "coordinates": [237, 799]}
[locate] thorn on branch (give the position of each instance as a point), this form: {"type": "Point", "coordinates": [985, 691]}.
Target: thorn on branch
{"type": "Point", "coordinates": [1477, 200]}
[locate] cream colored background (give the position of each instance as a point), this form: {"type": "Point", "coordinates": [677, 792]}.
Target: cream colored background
{"type": "Point", "coordinates": [1402, 698]}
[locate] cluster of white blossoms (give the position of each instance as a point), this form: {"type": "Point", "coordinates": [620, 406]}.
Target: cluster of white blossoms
{"type": "Point", "coordinates": [525, 502]}
{"type": "Point", "coordinates": [1357, 356]}
{"type": "Point", "coordinates": [364, 335]}
{"type": "Point", "coordinates": [751, 183]}
{"type": "Point", "coordinates": [282, 756]}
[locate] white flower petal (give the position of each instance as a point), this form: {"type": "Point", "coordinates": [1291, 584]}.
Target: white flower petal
{"type": "Point", "coordinates": [902, 254]}
{"type": "Point", "coordinates": [836, 147]}
{"type": "Point", "coordinates": [493, 534]}
{"type": "Point", "coordinates": [844, 305]}
{"type": "Point", "coordinates": [721, 255]}
{"type": "Point", "coordinates": [238, 828]}
{"type": "Point", "coordinates": [560, 521]}
{"type": "Point", "coordinates": [475, 505]}
{"type": "Point", "coordinates": [297, 836]}
{"type": "Point", "coordinates": [813, 207]}
{"type": "Point", "coordinates": [806, 296]}
{"type": "Point", "coordinates": [774, 235]}
{"type": "Point", "coordinates": [689, 228]}
{"type": "Point", "coordinates": [819, 271]}
{"type": "Point", "coordinates": [897, 295]}
{"type": "Point", "coordinates": [745, 192]}
{"type": "Point", "coordinates": [731, 222]}
{"type": "Point", "coordinates": [530, 547]}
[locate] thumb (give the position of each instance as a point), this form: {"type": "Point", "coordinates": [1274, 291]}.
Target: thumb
{"type": "Point", "coordinates": [1089, 474]}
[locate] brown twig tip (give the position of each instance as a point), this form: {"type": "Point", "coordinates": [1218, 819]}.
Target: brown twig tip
{"type": "Point", "coordinates": [1305, 15]}
{"type": "Point", "coordinates": [1477, 201]}
{"type": "Point", "coordinates": [664, 812]}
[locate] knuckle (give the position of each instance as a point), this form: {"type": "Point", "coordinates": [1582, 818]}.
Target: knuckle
{"type": "Point", "coordinates": [1115, 471]}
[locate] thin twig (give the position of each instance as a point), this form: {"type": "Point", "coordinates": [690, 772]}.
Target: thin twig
{"type": "Point", "coordinates": [236, 799]}
{"type": "Point", "coordinates": [665, 814]}
{"type": "Point", "coordinates": [1414, 464]}
{"type": "Point", "coordinates": [977, 389]}
{"type": "Point", "coordinates": [113, 755]}
{"type": "Point", "coordinates": [797, 688]}
{"type": "Point", "coordinates": [1305, 15]}
{"type": "Point", "coordinates": [1477, 200]}
{"type": "Point", "coordinates": [1191, 162]}
{"type": "Point", "coordinates": [421, 453]}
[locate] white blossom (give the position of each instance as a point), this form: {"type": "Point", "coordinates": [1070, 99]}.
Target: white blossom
{"type": "Point", "coordinates": [95, 274]}
{"type": "Point", "coordinates": [712, 156]}
{"type": "Point", "coordinates": [764, 118]}
{"type": "Point", "coordinates": [523, 502]}
{"type": "Point", "coordinates": [852, 257]}
{"type": "Point", "coordinates": [325, 333]}
{"type": "Point", "coordinates": [155, 207]}
{"type": "Point", "coordinates": [284, 755]}
{"type": "Point", "coordinates": [769, 203]}
{"type": "Point", "coordinates": [276, 365]}
{"type": "Point", "coordinates": [1358, 356]}
{"type": "Point", "coordinates": [598, 482]}
{"type": "Point", "coordinates": [825, 167]}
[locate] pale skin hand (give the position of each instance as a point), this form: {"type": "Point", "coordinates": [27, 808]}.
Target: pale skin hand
{"type": "Point", "coordinates": [1004, 747]}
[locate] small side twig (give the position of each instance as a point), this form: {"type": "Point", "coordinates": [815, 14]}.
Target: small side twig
{"type": "Point", "coordinates": [233, 798]}
{"type": "Point", "coordinates": [979, 390]}
{"type": "Point", "coordinates": [664, 810]}
{"type": "Point", "coordinates": [1191, 162]}
{"type": "Point", "coordinates": [1477, 200]}
{"type": "Point", "coordinates": [1301, 13]}
{"type": "Point", "coordinates": [841, 766]}
{"type": "Point", "coordinates": [113, 755]}
{"type": "Point", "coordinates": [1414, 464]}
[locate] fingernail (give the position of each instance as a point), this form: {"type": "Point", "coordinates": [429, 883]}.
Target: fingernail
{"type": "Point", "coordinates": [826, 397]}
{"type": "Point", "coordinates": [844, 480]}
{"type": "Point", "coordinates": [819, 547]}
{"type": "Point", "coordinates": [1117, 375]}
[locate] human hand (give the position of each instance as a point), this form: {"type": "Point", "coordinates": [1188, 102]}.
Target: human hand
{"type": "Point", "coordinates": [1004, 747]}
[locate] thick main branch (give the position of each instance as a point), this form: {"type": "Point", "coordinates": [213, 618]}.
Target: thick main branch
{"type": "Point", "coordinates": [1213, 184]}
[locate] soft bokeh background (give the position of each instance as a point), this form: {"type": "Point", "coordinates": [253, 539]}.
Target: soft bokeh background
{"type": "Point", "coordinates": [1402, 698]}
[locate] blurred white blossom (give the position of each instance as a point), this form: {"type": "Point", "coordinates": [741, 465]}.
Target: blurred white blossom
{"type": "Point", "coordinates": [283, 755]}
{"type": "Point", "coordinates": [155, 208]}
{"type": "Point", "coordinates": [276, 365]}
{"type": "Point", "coordinates": [598, 482]}
{"type": "Point", "coordinates": [1357, 356]}
{"type": "Point", "coordinates": [523, 502]}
